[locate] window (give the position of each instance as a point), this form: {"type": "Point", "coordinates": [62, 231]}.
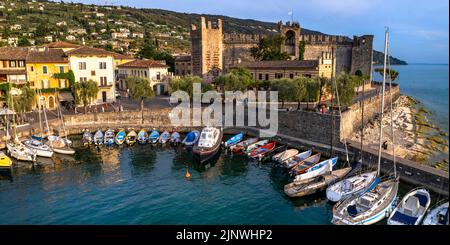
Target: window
{"type": "Point", "coordinates": [291, 76]}
{"type": "Point", "coordinates": [5, 64]}
{"type": "Point", "coordinates": [61, 69]}
{"type": "Point", "coordinates": [81, 65]}
{"type": "Point", "coordinates": [267, 76]}
{"type": "Point", "coordinates": [103, 81]}
{"type": "Point", "coordinates": [158, 76]}
{"type": "Point", "coordinates": [21, 63]}
{"type": "Point", "coordinates": [307, 75]}
{"type": "Point", "coordinates": [31, 68]}
{"type": "Point", "coordinates": [92, 73]}
{"type": "Point", "coordinates": [278, 75]}
{"type": "Point", "coordinates": [83, 79]}
{"type": "Point", "coordinates": [12, 63]}
{"type": "Point", "coordinates": [260, 76]}
{"type": "Point", "coordinates": [44, 84]}
{"type": "Point", "coordinates": [102, 65]}
{"type": "Point", "coordinates": [145, 73]}
{"type": "Point", "coordinates": [44, 69]}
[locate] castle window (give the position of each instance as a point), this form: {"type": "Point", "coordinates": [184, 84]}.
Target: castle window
{"type": "Point", "coordinates": [267, 76]}
{"type": "Point", "coordinates": [291, 76]}
{"type": "Point", "coordinates": [260, 76]}
{"type": "Point", "coordinates": [278, 75]}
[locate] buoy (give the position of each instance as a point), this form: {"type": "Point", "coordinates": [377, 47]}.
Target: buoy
{"type": "Point", "coordinates": [187, 175]}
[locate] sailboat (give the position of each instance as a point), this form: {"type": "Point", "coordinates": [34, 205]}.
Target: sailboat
{"type": "Point", "coordinates": [58, 143]}
{"type": "Point", "coordinates": [373, 205]}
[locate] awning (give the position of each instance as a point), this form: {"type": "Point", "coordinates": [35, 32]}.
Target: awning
{"type": "Point", "coordinates": [66, 96]}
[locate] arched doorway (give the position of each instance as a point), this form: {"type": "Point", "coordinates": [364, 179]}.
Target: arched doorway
{"type": "Point", "coordinates": [290, 43]}
{"type": "Point", "coordinates": [51, 102]}
{"type": "Point", "coordinates": [42, 102]}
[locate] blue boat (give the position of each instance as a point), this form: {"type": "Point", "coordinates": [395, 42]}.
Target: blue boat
{"type": "Point", "coordinates": [234, 140]}
{"type": "Point", "coordinates": [120, 137]}
{"type": "Point", "coordinates": [109, 137]}
{"type": "Point", "coordinates": [142, 137]}
{"type": "Point", "coordinates": [191, 138]}
{"type": "Point", "coordinates": [165, 136]}
{"type": "Point", "coordinates": [153, 137]}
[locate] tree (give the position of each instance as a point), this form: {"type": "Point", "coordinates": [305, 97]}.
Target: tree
{"type": "Point", "coordinates": [346, 85]}
{"type": "Point", "coordinates": [269, 48]}
{"type": "Point", "coordinates": [237, 80]}
{"type": "Point", "coordinates": [140, 89]}
{"type": "Point", "coordinates": [301, 48]}
{"type": "Point", "coordinates": [185, 84]}
{"type": "Point", "coordinates": [389, 72]}
{"type": "Point", "coordinates": [23, 42]}
{"type": "Point", "coordinates": [300, 92]}
{"type": "Point", "coordinates": [87, 92]}
{"type": "Point", "coordinates": [287, 90]}
{"type": "Point", "coordinates": [23, 102]}
{"type": "Point", "coordinates": [149, 51]}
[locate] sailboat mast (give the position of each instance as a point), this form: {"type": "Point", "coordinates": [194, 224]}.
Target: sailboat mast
{"type": "Point", "coordinates": [392, 117]}
{"type": "Point", "coordinates": [382, 98]}
{"type": "Point", "coordinates": [45, 117]}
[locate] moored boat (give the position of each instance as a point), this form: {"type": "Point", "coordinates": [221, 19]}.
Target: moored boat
{"type": "Point", "coordinates": [98, 138]}
{"type": "Point", "coordinates": [19, 152]}
{"type": "Point", "coordinates": [233, 140]}
{"type": "Point", "coordinates": [285, 155]}
{"type": "Point", "coordinates": [191, 138]}
{"type": "Point", "coordinates": [5, 161]}
{"type": "Point", "coordinates": [291, 162]}
{"type": "Point", "coordinates": [142, 137]}
{"type": "Point", "coordinates": [255, 145]}
{"type": "Point", "coordinates": [262, 150]}
{"type": "Point", "coordinates": [411, 209]}
{"type": "Point", "coordinates": [320, 168]}
{"type": "Point", "coordinates": [164, 137]}
{"type": "Point", "coordinates": [120, 137]}
{"type": "Point", "coordinates": [153, 137]}
{"type": "Point", "coordinates": [38, 147]}
{"type": "Point", "coordinates": [87, 138]}
{"type": "Point", "coordinates": [352, 186]}
{"type": "Point", "coordinates": [109, 137]}
{"type": "Point", "coordinates": [60, 145]}
{"type": "Point", "coordinates": [208, 144]}
{"type": "Point", "coordinates": [438, 215]}
{"type": "Point", "coordinates": [131, 137]}
{"type": "Point", "coordinates": [241, 146]}
{"type": "Point", "coordinates": [175, 138]}
{"type": "Point", "coordinates": [304, 165]}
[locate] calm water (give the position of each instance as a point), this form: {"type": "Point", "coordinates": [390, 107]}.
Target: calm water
{"type": "Point", "coordinates": [430, 85]}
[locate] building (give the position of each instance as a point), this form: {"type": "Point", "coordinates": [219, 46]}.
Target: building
{"type": "Point", "coordinates": [183, 65]}
{"type": "Point", "coordinates": [207, 48]}
{"type": "Point", "coordinates": [13, 66]}
{"type": "Point", "coordinates": [155, 71]}
{"type": "Point", "coordinates": [97, 65]}
{"type": "Point", "coordinates": [65, 46]}
{"type": "Point", "coordinates": [117, 35]}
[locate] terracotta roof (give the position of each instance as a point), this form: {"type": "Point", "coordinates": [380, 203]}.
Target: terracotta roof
{"type": "Point", "coordinates": [183, 58]}
{"type": "Point", "coordinates": [13, 53]}
{"type": "Point", "coordinates": [279, 64]}
{"type": "Point", "coordinates": [122, 56]}
{"type": "Point", "coordinates": [83, 50]}
{"type": "Point", "coordinates": [144, 64]}
{"type": "Point", "coordinates": [47, 56]}
{"type": "Point", "coordinates": [61, 44]}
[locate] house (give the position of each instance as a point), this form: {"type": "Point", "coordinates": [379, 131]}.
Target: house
{"type": "Point", "coordinates": [117, 35]}
{"type": "Point", "coordinates": [12, 41]}
{"type": "Point", "coordinates": [156, 72]}
{"type": "Point", "coordinates": [99, 15]}
{"type": "Point", "coordinates": [138, 35]}
{"type": "Point", "coordinates": [79, 31]}
{"type": "Point", "coordinates": [48, 38]}
{"type": "Point", "coordinates": [15, 27]}
{"type": "Point", "coordinates": [12, 67]}
{"type": "Point", "coordinates": [71, 38]}
{"type": "Point", "coordinates": [61, 23]}
{"type": "Point", "coordinates": [94, 64]}
{"type": "Point", "coordinates": [183, 65]}
{"type": "Point", "coordinates": [65, 46]}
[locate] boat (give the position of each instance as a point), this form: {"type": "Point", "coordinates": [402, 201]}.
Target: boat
{"type": "Point", "coordinates": [316, 184]}
{"type": "Point", "coordinates": [233, 140]}
{"type": "Point", "coordinates": [120, 137]}
{"type": "Point", "coordinates": [38, 147]}
{"type": "Point", "coordinates": [352, 186]}
{"type": "Point", "coordinates": [153, 137]}
{"type": "Point", "coordinates": [291, 162]}
{"type": "Point", "coordinates": [60, 145]}
{"type": "Point", "coordinates": [285, 155]}
{"type": "Point", "coordinates": [208, 144]}
{"type": "Point", "coordinates": [131, 137]}
{"type": "Point", "coordinates": [255, 145]}
{"type": "Point", "coordinates": [98, 138]}
{"type": "Point", "coordinates": [411, 209]}
{"type": "Point", "coordinates": [164, 137]}
{"type": "Point", "coordinates": [262, 150]}
{"type": "Point", "coordinates": [142, 137]}
{"type": "Point", "coordinates": [175, 138]}
{"type": "Point", "coordinates": [19, 152]}
{"type": "Point", "coordinates": [108, 139]}
{"type": "Point", "coordinates": [87, 138]}
{"type": "Point", "coordinates": [5, 161]}
{"type": "Point", "coordinates": [320, 168]}
{"type": "Point", "coordinates": [191, 138]}
{"type": "Point", "coordinates": [438, 215]}
{"type": "Point", "coordinates": [241, 146]}
{"type": "Point", "coordinates": [304, 165]}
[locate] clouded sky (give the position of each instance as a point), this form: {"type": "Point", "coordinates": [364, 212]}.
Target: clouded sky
{"type": "Point", "coordinates": [419, 29]}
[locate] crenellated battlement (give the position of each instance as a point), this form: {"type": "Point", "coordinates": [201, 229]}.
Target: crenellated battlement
{"type": "Point", "coordinates": [325, 39]}
{"type": "Point", "coordinates": [239, 38]}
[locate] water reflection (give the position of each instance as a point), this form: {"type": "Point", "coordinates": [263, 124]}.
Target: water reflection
{"type": "Point", "coordinates": [6, 174]}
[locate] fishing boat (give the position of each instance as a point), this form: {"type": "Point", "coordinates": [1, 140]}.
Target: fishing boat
{"type": "Point", "coordinates": [291, 162]}
{"type": "Point", "coordinates": [142, 137]}
{"type": "Point", "coordinates": [5, 161]}
{"type": "Point", "coordinates": [233, 140]}
{"type": "Point", "coordinates": [38, 147]}
{"type": "Point", "coordinates": [412, 208]}
{"type": "Point", "coordinates": [164, 137]}
{"type": "Point", "coordinates": [175, 138]}
{"type": "Point", "coordinates": [98, 138]}
{"type": "Point", "coordinates": [131, 137]}
{"type": "Point", "coordinates": [304, 165]}
{"type": "Point", "coordinates": [108, 139]}
{"type": "Point", "coordinates": [120, 137]}
{"type": "Point", "coordinates": [191, 138]}
{"type": "Point", "coordinates": [316, 184]}
{"type": "Point", "coordinates": [438, 215]}
{"type": "Point", "coordinates": [60, 145]}
{"type": "Point", "coordinates": [260, 151]}
{"type": "Point", "coordinates": [241, 146]}
{"type": "Point", "coordinates": [208, 144]}
{"type": "Point", "coordinates": [87, 138]}
{"type": "Point", "coordinates": [153, 137]}
{"type": "Point", "coordinates": [318, 169]}
{"type": "Point", "coordinates": [285, 155]}
{"type": "Point", "coordinates": [352, 186]}
{"type": "Point", "coordinates": [255, 145]}
{"type": "Point", "coordinates": [18, 151]}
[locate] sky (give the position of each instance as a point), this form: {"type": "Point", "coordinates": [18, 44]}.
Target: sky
{"type": "Point", "coordinates": [419, 30]}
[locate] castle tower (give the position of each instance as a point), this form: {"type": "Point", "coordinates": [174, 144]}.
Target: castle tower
{"type": "Point", "coordinates": [291, 33]}
{"type": "Point", "coordinates": [207, 48]}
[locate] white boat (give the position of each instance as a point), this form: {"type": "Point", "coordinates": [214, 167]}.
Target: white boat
{"type": "Point", "coordinates": [175, 138]}
{"type": "Point", "coordinates": [255, 146]}
{"type": "Point", "coordinates": [109, 137]}
{"type": "Point", "coordinates": [318, 169]}
{"type": "Point", "coordinates": [285, 155]}
{"type": "Point", "coordinates": [20, 152]}
{"type": "Point", "coordinates": [412, 208]}
{"type": "Point", "coordinates": [98, 138]}
{"type": "Point", "coordinates": [291, 162]}
{"type": "Point", "coordinates": [437, 215]}
{"type": "Point", "coordinates": [352, 186]}
{"type": "Point", "coordinates": [39, 148]}
{"type": "Point", "coordinates": [60, 145]}
{"type": "Point", "coordinates": [209, 144]}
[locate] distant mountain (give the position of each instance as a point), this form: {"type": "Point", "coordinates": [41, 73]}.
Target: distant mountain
{"type": "Point", "coordinates": [378, 59]}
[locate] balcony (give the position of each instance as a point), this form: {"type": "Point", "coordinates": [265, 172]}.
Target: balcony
{"type": "Point", "coordinates": [105, 85]}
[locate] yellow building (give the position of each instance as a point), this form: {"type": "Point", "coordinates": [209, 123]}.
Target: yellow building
{"type": "Point", "coordinates": [41, 66]}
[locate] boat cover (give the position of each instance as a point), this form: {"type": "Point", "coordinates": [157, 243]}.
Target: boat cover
{"type": "Point", "coordinates": [403, 218]}
{"type": "Point", "coordinates": [423, 200]}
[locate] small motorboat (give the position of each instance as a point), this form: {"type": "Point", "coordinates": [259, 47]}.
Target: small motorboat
{"type": "Point", "coordinates": [412, 208]}
{"type": "Point", "coordinates": [87, 138]}
{"type": "Point", "coordinates": [304, 165]}
{"type": "Point", "coordinates": [38, 147]}
{"type": "Point", "coordinates": [191, 138]}
{"type": "Point", "coordinates": [233, 140]}
{"type": "Point", "coordinates": [262, 150]}
{"type": "Point", "coordinates": [60, 145]}
{"type": "Point", "coordinates": [120, 137]}
{"type": "Point", "coordinates": [131, 137]}
{"type": "Point", "coordinates": [164, 137]}
{"type": "Point", "coordinates": [19, 152]}
{"type": "Point", "coordinates": [63, 140]}
{"type": "Point", "coordinates": [352, 186]}
{"type": "Point", "coordinates": [318, 169]}
{"type": "Point", "coordinates": [315, 184]}
{"type": "Point", "coordinates": [142, 137]}
{"type": "Point", "coordinates": [5, 161]}
{"type": "Point", "coordinates": [153, 137]}
{"type": "Point", "coordinates": [285, 155]}
{"type": "Point", "coordinates": [98, 138]}
{"type": "Point", "coordinates": [208, 144]}
{"type": "Point", "coordinates": [438, 215]}
{"type": "Point", "coordinates": [241, 146]}
{"type": "Point", "coordinates": [291, 162]}
{"type": "Point", "coordinates": [175, 138]}
{"type": "Point", "coordinates": [255, 145]}
{"type": "Point", "coordinates": [108, 139]}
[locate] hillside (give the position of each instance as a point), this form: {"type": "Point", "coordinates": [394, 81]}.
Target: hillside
{"type": "Point", "coordinates": [378, 59]}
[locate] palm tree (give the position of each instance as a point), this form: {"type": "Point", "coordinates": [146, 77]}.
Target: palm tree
{"type": "Point", "coordinates": [87, 92]}
{"type": "Point", "coordinates": [391, 72]}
